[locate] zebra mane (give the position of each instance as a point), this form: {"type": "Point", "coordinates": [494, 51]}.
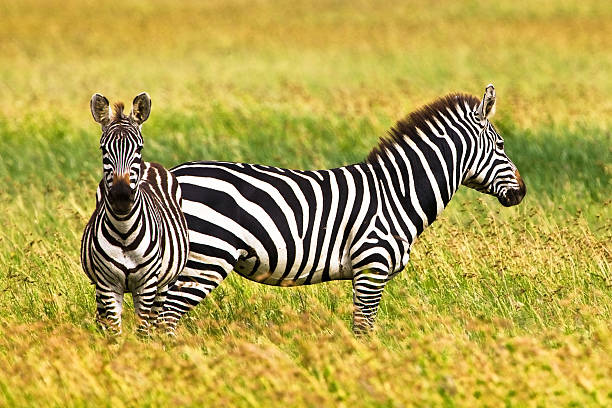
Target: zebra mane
{"type": "Point", "coordinates": [118, 111]}
{"type": "Point", "coordinates": [407, 127]}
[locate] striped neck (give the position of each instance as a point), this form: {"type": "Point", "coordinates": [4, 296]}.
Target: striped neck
{"type": "Point", "coordinates": [424, 160]}
{"type": "Point", "coordinates": [124, 224]}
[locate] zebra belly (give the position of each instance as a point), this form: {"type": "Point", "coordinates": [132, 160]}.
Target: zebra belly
{"type": "Point", "coordinates": [287, 273]}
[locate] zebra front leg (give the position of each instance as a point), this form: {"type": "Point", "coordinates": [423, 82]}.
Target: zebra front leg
{"type": "Point", "coordinates": [368, 286]}
{"type": "Point", "coordinates": [109, 305]}
{"type": "Point", "coordinates": [143, 304]}
{"type": "Point", "coordinates": [192, 286]}
{"type": "Point", "coordinates": [158, 305]}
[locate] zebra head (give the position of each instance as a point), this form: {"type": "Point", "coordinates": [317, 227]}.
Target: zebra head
{"type": "Point", "coordinates": [121, 144]}
{"type": "Point", "coordinates": [491, 171]}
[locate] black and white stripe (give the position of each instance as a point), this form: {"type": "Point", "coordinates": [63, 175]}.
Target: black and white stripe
{"type": "Point", "coordinates": [288, 227]}
{"type": "Point", "coordinates": [136, 239]}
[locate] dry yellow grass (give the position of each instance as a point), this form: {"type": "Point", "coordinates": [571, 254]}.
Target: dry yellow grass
{"type": "Point", "coordinates": [345, 57]}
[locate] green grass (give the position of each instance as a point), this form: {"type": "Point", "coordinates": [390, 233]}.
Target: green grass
{"type": "Point", "coordinates": [497, 307]}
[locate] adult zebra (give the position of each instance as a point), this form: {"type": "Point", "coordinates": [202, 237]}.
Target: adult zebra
{"type": "Point", "coordinates": [288, 227]}
{"type": "Point", "coordinates": [136, 239]}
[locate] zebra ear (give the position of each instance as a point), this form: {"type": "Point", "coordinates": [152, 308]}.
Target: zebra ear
{"type": "Point", "coordinates": [100, 109]}
{"type": "Point", "coordinates": [141, 108]}
{"type": "Point", "coordinates": [486, 109]}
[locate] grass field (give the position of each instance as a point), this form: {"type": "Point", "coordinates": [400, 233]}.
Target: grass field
{"type": "Point", "coordinates": [499, 307]}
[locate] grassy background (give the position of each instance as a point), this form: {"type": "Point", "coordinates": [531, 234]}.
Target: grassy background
{"type": "Point", "coordinates": [498, 306]}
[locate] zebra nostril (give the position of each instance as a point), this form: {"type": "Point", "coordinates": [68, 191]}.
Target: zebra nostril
{"type": "Point", "coordinates": [512, 196]}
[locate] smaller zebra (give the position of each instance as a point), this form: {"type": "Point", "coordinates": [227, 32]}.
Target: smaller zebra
{"type": "Point", "coordinates": [136, 239]}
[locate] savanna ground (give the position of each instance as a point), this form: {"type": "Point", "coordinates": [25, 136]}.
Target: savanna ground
{"type": "Point", "coordinates": [498, 306]}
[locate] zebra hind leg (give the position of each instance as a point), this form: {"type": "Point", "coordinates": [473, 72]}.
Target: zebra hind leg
{"type": "Point", "coordinates": [368, 286]}
{"type": "Point", "coordinates": [109, 305]}
{"type": "Point", "coordinates": [192, 286]}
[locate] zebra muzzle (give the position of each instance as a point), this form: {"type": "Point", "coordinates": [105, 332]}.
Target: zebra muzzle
{"type": "Point", "coordinates": [515, 195]}
{"type": "Point", "coordinates": [121, 197]}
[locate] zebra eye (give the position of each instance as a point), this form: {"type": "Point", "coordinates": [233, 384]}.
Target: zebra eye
{"type": "Point", "coordinates": [500, 145]}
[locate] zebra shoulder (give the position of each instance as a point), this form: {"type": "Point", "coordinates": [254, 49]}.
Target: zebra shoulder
{"type": "Point", "coordinates": [161, 181]}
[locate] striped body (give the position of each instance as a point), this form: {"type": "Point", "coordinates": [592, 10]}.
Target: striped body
{"type": "Point", "coordinates": [287, 227]}
{"type": "Point", "coordinates": [358, 222]}
{"type": "Point", "coordinates": [136, 240]}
